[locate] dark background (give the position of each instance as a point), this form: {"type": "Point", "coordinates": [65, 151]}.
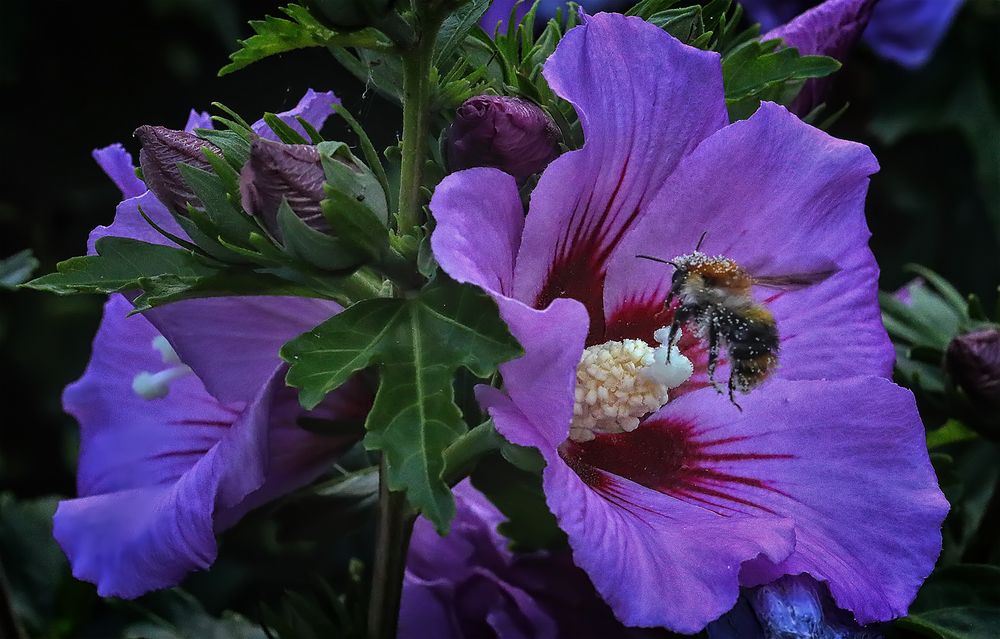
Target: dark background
{"type": "Point", "coordinates": [78, 76]}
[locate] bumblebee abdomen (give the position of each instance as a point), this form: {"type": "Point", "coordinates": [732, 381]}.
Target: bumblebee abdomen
{"type": "Point", "coordinates": [751, 372]}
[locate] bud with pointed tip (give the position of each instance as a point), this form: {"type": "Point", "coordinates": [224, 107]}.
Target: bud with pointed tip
{"type": "Point", "coordinates": [973, 360]}
{"type": "Point", "coordinates": [162, 150]}
{"type": "Point", "coordinates": [290, 171]}
{"type": "Point", "coordinates": [506, 133]}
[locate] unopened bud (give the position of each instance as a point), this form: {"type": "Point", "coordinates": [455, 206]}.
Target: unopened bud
{"type": "Point", "coordinates": [290, 171]}
{"type": "Point", "coordinates": [162, 150]}
{"type": "Point", "coordinates": [973, 360]}
{"type": "Point", "coordinates": [510, 134]}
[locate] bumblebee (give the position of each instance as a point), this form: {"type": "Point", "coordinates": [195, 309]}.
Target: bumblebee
{"type": "Point", "coordinates": [715, 296]}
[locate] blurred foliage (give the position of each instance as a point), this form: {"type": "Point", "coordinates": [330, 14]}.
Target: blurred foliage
{"type": "Point", "coordinates": [86, 75]}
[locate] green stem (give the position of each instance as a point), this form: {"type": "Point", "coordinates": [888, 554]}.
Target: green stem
{"type": "Point", "coordinates": [416, 124]}
{"type": "Point", "coordinates": [462, 456]}
{"type": "Point", "coordinates": [395, 523]}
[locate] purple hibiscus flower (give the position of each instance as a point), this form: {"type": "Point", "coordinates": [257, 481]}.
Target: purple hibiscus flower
{"type": "Point", "coordinates": [468, 585]}
{"type": "Point", "coordinates": [905, 31]}
{"type": "Point", "coordinates": [186, 422]}
{"type": "Point", "coordinates": [671, 497]}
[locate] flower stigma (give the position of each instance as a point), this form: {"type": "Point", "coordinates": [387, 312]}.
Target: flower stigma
{"type": "Point", "coordinates": [619, 382]}
{"type": "Point", "coordinates": [149, 385]}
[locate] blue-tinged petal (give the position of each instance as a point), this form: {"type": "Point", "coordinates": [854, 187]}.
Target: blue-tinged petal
{"type": "Point", "coordinates": [314, 108]}
{"type": "Point", "coordinates": [117, 163]}
{"type": "Point", "coordinates": [198, 120]}
{"type": "Point", "coordinates": [159, 477]}
{"type": "Point", "coordinates": [908, 31]}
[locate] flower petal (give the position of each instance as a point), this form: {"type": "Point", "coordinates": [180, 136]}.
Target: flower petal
{"type": "Point", "coordinates": [129, 222]}
{"type": "Point", "coordinates": [198, 120]}
{"type": "Point", "coordinates": [791, 204]}
{"type": "Point", "coordinates": [645, 100]}
{"type": "Point", "coordinates": [658, 561]}
{"type": "Point", "coordinates": [117, 163]}
{"type": "Point", "coordinates": [479, 219]}
{"type": "Point", "coordinates": [232, 343]}
{"type": "Point", "coordinates": [908, 31]}
{"type": "Point", "coordinates": [845, 460]}
{"type": "Point", "coordinates": [831, 29]}
{"type": "Point", "coordinates": [314, 108]}
{"type": "Point", "coordinates": [158, 478]}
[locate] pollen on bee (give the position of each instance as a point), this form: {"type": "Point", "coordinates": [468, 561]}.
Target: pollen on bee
{"type": "Point", "coordinates": [619, 382]}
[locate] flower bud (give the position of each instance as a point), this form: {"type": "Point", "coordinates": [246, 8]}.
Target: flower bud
{"type": "Point", "coordinates": [162, 150]}
{"type": "Point", "coordinates": [510, 134]}
{"type": "Point", "coordinates": [974, 362]}
{"type": "Point", "coordinates": [290, 171]}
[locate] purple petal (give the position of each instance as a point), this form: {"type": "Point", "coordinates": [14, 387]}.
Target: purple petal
{"type": "Point", "coordinates": [814, 453]}
{"type": "Point", "coordinates": [830, 29]}
{"type": "Point", "coordinates": [908, 31]}
{"type": "Point", "coordinates": [656, 560]}
{"type": "Point", "coordinates": [117, 163]}
{"type": "Point", "coordinates": [232, 343]}
{"type": "Point", "coordinates": [129, 222]}
{"type": "Point", "coordinates": [587, 199]}
{"type": "Point", "coordinates": [314, 108]}
{"type": "Point", "coordinates": [159, 477]}
{"type": "Point", "coordinates": [497, 16]}
{"type": "Point", "coordinates": [792, 204]}
{"type": "Point", "coordinates": [198, 120]}
{"type": "Point", "coordinates": [479, 218]}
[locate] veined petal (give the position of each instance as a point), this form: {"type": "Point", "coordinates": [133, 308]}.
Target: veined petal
{"type": "Point", "coordinates": [159, 477]}
{"type": "Point", "coordinates": [780, 198]}
{"type": "Point", "coordinates": [657, 560]}
{"type": "Point", "coordinates": [816, 453]}
{"type": "Point", "coordinates": [479, 221]}
{"type": "Point", "coordinates": [232, 343]}
{"type": "Point", "coordinates": [645, 100]}
{"type": "Point", "coordinates": [117, 163]}
{"type": "Point", "coordinates": [314, 108]}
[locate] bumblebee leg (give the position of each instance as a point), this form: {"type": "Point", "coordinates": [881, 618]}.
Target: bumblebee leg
{"type": "Point", "coordinates": [713, 351]}
{"type": "Point", "coordinates": [674, 326]}
{"type": "Point", "coordinates": [732, 390]}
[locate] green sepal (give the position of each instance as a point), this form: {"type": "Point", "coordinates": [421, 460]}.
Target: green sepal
{"type": "Point", "coordinates": [314, 247]}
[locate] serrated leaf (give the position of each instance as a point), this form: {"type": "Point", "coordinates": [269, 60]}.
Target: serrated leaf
{"type": "Point", "coordinates": [302, 31]}
{"type": "Point", "coordinates": [758, 70]}
{"type": "Point", "coordinates": [456, 27]}
{"type": "Point", "coordinates": [119, 265]}
{"type": "Point", "coordinates": [417, 345]}
{"type": "Point", "coordinates": [17, 268]}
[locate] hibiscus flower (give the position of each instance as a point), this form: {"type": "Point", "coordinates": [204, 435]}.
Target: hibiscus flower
{"type": "Point", "coordinates": [672, 498]}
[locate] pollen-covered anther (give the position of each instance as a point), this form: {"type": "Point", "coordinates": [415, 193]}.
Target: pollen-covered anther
{"type": "Point", "coordinates": [620, 382]}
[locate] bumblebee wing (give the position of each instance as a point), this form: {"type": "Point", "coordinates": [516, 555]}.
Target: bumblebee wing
{"type": "Point", "coordinates": [792, 281]}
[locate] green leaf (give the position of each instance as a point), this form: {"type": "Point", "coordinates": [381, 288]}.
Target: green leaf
{"type": "Point", "coordinates": [758, 70]}
{"type": "Point", "coordinates": [355, 224]}
{"type": "Point", "coordinates": [119, 265]}
{"type": "Point", "coordinates": [952, 432]}
{"type": "Point", "coordinates": [518, 495]}
{"type": "Point", "coordinates": [417, 345]}
{"type": "Point", "coordinates": [958, 602]}
{"type": "Point", "coordinates": [16, 269]}
{"type": "Point", "coordinates": [456, 27]}
{"type": "Point", "coordinates": [280, 35]}
{"type": "Point", "coordinates": [314, 247]}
